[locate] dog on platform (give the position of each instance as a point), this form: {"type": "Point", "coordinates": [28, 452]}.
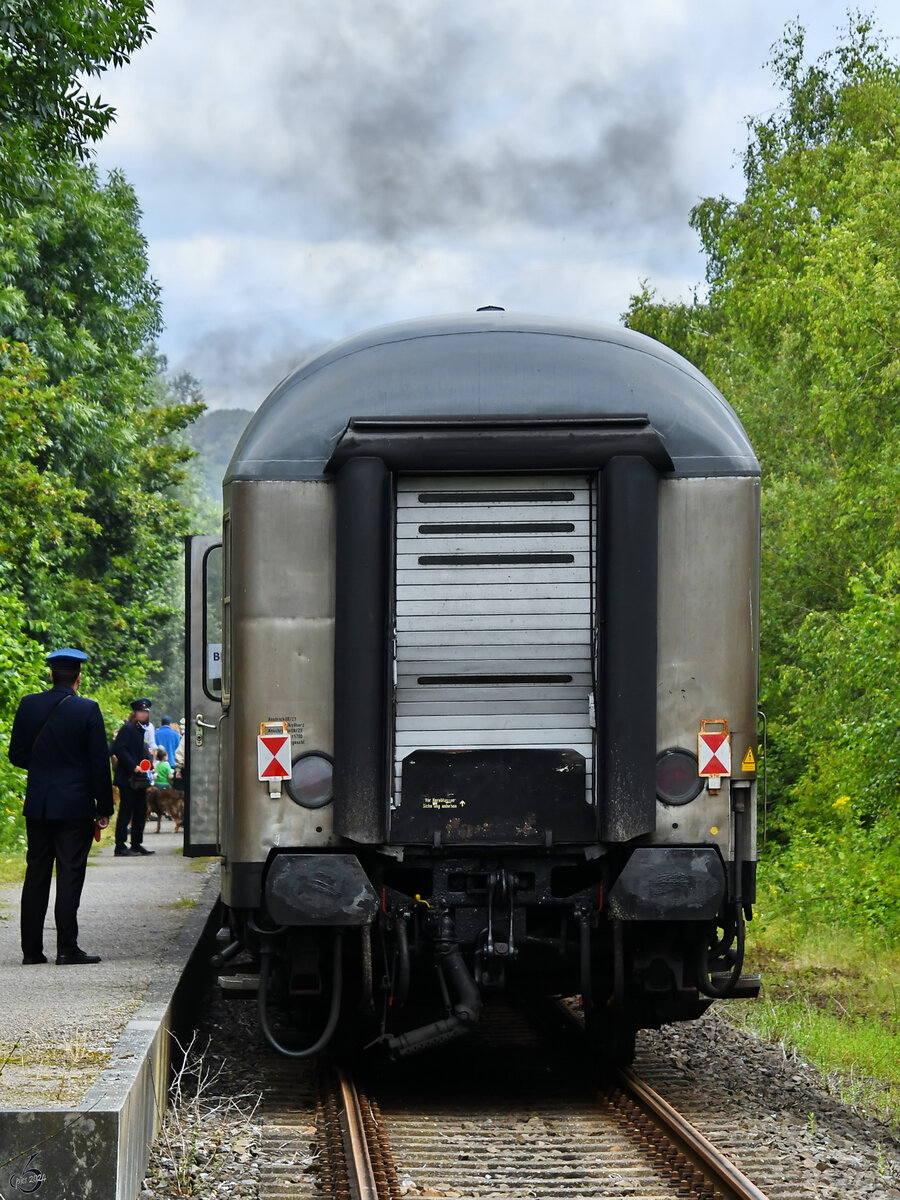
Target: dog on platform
{"type": "Point", "coordinates": [165, 802]}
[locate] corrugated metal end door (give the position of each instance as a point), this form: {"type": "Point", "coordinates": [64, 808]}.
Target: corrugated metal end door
{"type": "Point", "coordinates": [494, 615]}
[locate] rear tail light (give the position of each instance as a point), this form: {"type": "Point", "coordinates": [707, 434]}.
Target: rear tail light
{"type": "Point", "coordinates": [311, 781]}
{"type": "Point", "coordinates": [677, 781]}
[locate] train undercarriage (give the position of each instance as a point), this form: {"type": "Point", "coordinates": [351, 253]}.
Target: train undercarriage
{"type": "Point", "coordinates": [404, 956]}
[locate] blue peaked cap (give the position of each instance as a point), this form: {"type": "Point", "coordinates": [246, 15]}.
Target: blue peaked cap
{"type": "Point", "coordinates": [75, 656]}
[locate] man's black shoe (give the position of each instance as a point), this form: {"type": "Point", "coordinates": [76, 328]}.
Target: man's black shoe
{"type": "Point", "coordinates": [142, 850]}
{"type": "Point", "coordinates": [75, 958]}
{"type": "Point", "coordinates": [124, 852]}
{"type": "Point", "coordinates": [32, 960]}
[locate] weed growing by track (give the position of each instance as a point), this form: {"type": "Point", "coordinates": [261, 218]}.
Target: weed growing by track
{"type": "Point", "coordinates": [206, 1134]}
{"type": "Point", "coordinates": [831, 997]}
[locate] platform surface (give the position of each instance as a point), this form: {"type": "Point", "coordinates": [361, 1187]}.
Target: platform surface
{"type": "Point", "coordinates": [85, 1050]}
{"type": "Point", "coordinates": [67, 1033]}
{"type": "Point", "coordinates": [60, 1024]}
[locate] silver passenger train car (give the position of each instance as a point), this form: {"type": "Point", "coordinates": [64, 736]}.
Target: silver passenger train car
{"type": "Point", "coordinates": [472, 679]}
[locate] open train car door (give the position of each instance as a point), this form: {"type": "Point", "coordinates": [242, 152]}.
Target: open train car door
{"type": "Point", "coordinates": [203, 691]}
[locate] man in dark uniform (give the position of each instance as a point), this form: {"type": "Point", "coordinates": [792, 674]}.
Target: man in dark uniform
{"type": "Point", "coordinates": [129, 751]}
{"type": "Point", "coordinates": [58, 737]}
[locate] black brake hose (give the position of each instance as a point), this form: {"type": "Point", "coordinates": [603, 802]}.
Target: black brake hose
{"type": "Point", "coordinates": [267, 951]}
{"type": "Point", "coordinates": [719, 991]}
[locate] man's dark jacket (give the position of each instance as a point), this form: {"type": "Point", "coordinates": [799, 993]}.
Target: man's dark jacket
{"type": "Point", "coordinates": [129, 750]}
{"type": "Point", "coordinates": [68, 767]}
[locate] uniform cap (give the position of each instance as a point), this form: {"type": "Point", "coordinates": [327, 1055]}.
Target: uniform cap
{"type": "Point", "coordinates": [137, 705]}
{"type": "Point", "coordinates": [68, 658]}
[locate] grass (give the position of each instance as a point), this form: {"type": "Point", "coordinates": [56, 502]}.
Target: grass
{"type": "Point", "coordinates": [74, 1052]}
{"type": "Point", "coordinates": [831, 999]}
{"type": "Point", "coordinates": [12, 866]}
{"type": "Point", "coordinates": [12, 869]}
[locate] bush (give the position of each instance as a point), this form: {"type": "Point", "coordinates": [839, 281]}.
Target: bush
{"type": "Point", "coordinates": [22, 670]}
{"type": "Point", "coordinates": [845, 875]}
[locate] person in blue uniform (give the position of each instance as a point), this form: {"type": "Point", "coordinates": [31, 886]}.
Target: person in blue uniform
{"type": "Point", "coordinates": [59, 738]}
{"type": "Point", "coordinates": [129, 749]}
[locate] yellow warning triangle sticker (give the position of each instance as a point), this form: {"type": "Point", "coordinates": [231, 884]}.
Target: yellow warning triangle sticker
{"type": "Point", "coordinates": [748, 762]}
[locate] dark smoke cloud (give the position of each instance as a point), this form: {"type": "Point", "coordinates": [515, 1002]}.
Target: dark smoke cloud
{"type": "Point", "coordinates": [311, 168]}
{"type": "Point", "coordinates": [433, 127]}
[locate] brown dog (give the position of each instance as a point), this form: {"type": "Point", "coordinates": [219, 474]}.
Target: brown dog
{"type": "Point", "coordinates": [165, 802]}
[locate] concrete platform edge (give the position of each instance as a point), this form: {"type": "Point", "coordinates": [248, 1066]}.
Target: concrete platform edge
{"type": "Point", "coordinates": [100, 1150]}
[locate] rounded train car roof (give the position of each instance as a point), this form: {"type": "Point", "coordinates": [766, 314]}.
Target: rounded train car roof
{"type": "Point", "coordinates": [484, 365]}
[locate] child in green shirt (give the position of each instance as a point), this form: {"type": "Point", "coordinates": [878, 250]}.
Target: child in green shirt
{"type": "Point", "coordinates": [163, 769]}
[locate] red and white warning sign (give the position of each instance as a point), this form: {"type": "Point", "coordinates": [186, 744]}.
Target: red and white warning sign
{"type": "Point", "coordinates": [273, 752]}
{"type": "Point", "coordinates": [714, 749]}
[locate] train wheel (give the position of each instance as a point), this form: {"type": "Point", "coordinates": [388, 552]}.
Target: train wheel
{"type": "Point", "coordinates": [612, 1037]}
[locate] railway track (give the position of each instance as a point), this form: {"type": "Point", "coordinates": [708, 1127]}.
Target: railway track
{"type": "Point", "coordinates": [629, 1142]}
{"type": "Point", "coordinates": [507, 1096]}
{"type": "Point", "coordinates": [516, 1117]}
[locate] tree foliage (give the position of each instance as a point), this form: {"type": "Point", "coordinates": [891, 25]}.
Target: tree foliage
{"type": "Point", "coordinates": [800, 329]}
{"type": "Point", "coordinates": [76, 291]}
{"type": "Point", "coordinates": [845, 733]}
{"type": "Point", "coordinates": [94, 495]}
{"type": "Point", "coordinates": [47, 47]}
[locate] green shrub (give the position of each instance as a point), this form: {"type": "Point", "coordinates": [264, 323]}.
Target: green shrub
{"type": "Point", "coordinates": [845, 874]}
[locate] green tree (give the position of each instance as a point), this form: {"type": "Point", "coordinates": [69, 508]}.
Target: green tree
{"type": "Point", "coordinates": [800, 329]}
{"type": "Point", "coordinates": [47, 47]}
{"type": "Point", "coordinates": [47, 50]}
{"type": "Point", "coordinates": [93, 491]}
{"type": "Point", "coordinates": [76, 290]}
{"type": "Point", "coordinates": [41, 511]}
{"type": "Point", "coordinates": [41, 519]}
{"type": "Point", "coordinates": [846, 732]}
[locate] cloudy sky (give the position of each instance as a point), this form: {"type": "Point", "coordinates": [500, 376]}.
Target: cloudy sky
{"type": "Point", "coordinates": [310, 168]}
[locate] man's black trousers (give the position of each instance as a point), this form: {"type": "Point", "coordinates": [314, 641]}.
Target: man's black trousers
{"type": "Point", "coordinates": [65, 843]}
{"type": "Point", "coordinates": [133, 812]}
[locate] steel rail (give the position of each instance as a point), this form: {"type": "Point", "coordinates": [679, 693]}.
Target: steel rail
{"type": "Point", "coordinates": [723, 1171]}
{"type": "Point", "coordinates": [719, 1169]}
{"type": "Point", "coordinates": [361, 1175]}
